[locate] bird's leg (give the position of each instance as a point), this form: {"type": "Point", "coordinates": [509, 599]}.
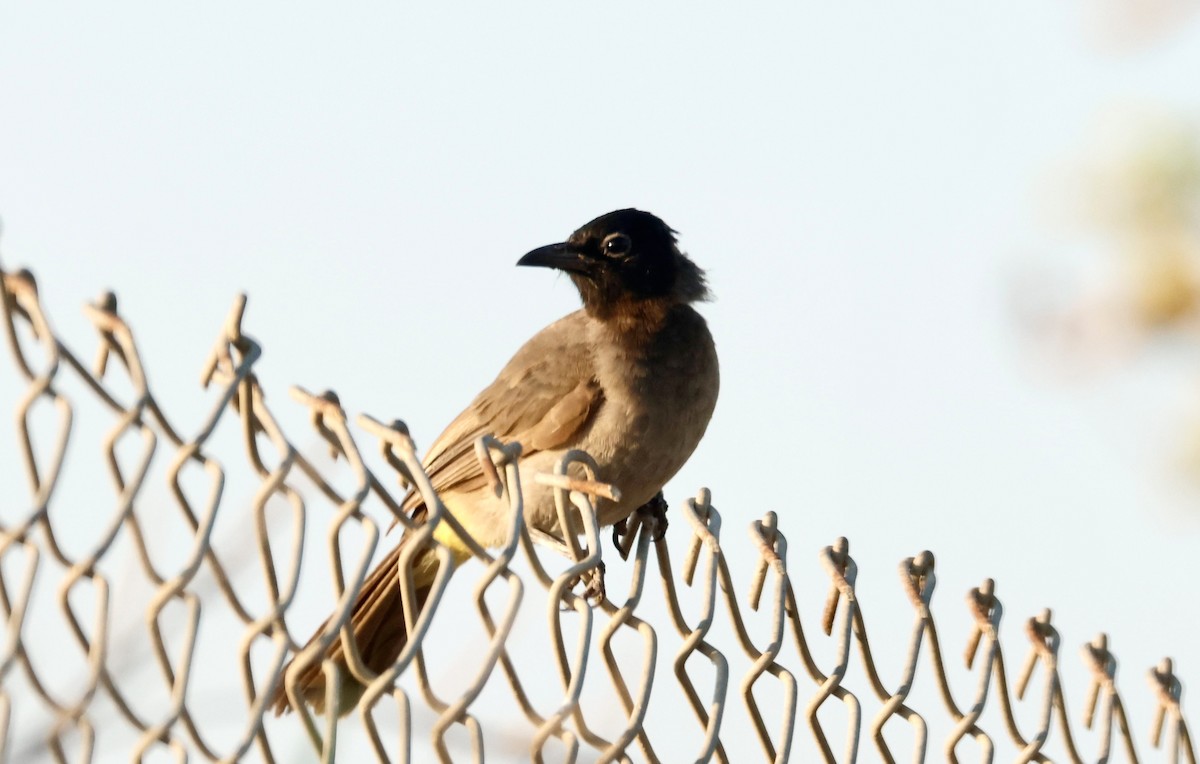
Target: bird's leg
{"type": "Point", "coordinates": [656, 508]}
{"type": "Point", "coordinates": [552, 541]}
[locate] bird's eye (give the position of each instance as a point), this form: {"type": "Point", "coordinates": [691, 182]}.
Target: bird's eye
{"type": "Point", "coordinates": [617, 244]}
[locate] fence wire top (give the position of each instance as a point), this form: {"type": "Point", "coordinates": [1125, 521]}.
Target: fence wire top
{"type": "Point", "coordinates": [210, 543]}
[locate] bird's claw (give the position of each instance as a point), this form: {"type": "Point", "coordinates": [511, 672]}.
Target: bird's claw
{"type": "Point", "coordinates": [620, 528]}
{"type": "Point", "coordinates": [593, 590]}
{"type": "Point", "coordinates": [655, 508]}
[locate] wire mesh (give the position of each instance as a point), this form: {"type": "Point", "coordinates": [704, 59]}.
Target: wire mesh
{"type": "Point", "coordinates": [50, 591]}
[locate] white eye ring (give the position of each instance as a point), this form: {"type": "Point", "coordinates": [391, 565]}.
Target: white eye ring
{"type": "Point", "coordinates": [616, 244]}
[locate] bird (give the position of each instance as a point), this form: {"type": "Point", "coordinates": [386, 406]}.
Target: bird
{"type": "Point", "coordinates": [631, 378]}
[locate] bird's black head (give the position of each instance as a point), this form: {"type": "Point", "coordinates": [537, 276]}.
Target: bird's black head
{"type": "Point", "coordinates": [624, 256]}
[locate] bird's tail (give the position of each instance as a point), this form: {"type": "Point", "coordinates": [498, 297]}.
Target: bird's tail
{"type": "Point", "coordinates": [377, 622]}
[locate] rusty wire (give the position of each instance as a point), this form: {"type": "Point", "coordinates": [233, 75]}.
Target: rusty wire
{"type": "Point", "coordinates": [580, 643]}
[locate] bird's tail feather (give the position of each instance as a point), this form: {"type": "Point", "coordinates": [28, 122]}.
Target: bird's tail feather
{"type": "Point", "coordinates": [377, 621]}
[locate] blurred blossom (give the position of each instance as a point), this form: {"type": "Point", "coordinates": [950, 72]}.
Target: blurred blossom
{"type": "Point", "coordinates": [1146, 199]}
{"type": "Point", "coordinates": [1133, 203]}
{"type": "Point", "coordinates": [1126, 26]}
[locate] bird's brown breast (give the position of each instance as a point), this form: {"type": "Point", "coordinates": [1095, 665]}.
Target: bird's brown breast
{"type": "Point", "coordinates": [660, 383]}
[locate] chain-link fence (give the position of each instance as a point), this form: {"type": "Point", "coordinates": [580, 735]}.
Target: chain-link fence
{"type": "Point", "coordinates": [135, 628]}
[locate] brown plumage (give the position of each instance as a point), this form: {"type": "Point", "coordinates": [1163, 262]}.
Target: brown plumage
{"type": "Point", "coordinates": [631, 379]}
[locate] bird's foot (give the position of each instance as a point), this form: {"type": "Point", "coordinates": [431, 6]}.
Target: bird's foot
{"type": "Point", "coordinates": [655, 508]}
{"type": "Point", "coordinates": [594, 590]}
{"type": "Point", "coordinates": [592, 579]}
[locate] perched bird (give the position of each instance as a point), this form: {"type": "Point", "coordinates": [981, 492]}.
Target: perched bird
{"type": "Point", "coordinates": [631, 379]}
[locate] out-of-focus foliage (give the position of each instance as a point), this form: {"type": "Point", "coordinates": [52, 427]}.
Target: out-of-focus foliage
{"type": "Point", "coordinates": [1131, 25]}
{"type": "Point", "coordinates": [1147, 200]}
{"type": "Point", "coordinates": [1146, 194]}
{"type": "Point", "coordinates": [1133, 199]}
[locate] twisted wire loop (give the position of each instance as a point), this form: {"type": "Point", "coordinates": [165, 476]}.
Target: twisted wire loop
{"type": "Point", "coordinates": [699, 621]}
{"type": "Point", "coordinates": [917, 578]}
{"type": "Point", "coordinates": [705, 522]}
{"type": "Point", "coordinates": [772, 549]}
{"type": "Point", "coordinates": [1168, 690]}
{"type": "Point", "coordinates": [1104, 687]}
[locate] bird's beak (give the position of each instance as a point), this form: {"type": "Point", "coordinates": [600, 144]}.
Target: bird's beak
{"type": "Point", "coordinates": [559, 256]}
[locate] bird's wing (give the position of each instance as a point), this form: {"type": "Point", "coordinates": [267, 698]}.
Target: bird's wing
{"type": "Point", "coordinates": [541, 398]}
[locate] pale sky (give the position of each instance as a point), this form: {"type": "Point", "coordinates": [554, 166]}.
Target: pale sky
{"type": "Point", "coordinates": [863, 188]}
